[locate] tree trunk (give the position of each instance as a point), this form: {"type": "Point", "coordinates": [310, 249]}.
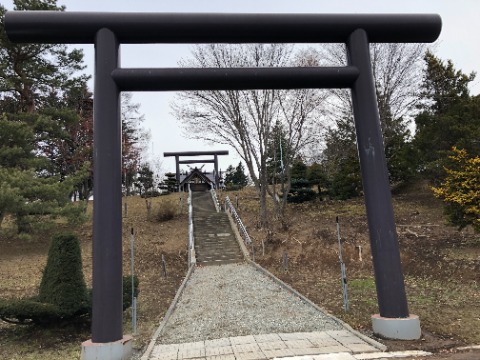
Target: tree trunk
{"type": "Point", "coordinates": [23, 224]}
{"type": "Point", "coordinates": [127, 186]}
{"type": "Point", "coordinates": [263, 207]}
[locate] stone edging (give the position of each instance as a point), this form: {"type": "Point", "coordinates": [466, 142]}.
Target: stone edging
{"type": "Point", "coordinates": [372, 342]}
{"type": "Point", "coordinates": [246, 255]}
{"type": "Point", "coordinates": [165, 319]}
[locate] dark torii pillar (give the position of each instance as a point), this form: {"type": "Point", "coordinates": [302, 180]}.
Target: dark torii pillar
{"type": "Point", "coordinates": [392, 299]}
{"type": "Point", "coordinates": [107, 194]}
{"type": "Point", "coordinates": [217, 178]}
{"type": "Point", "coordinates": [177, 170]}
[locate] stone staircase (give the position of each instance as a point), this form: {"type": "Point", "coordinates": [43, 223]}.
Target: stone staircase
{"type": "Point", "coordinates": [215, 242]}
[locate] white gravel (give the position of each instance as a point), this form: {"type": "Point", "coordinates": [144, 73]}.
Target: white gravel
{"type": "Point", "coordinates": [236, 300]}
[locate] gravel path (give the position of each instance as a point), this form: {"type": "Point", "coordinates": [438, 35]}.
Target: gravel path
{"type": "Point", "coordinates": [236, 300]}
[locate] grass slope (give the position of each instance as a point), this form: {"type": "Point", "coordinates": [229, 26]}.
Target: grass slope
{"type": "Point", "coordinates": [441, 264]}
{"type": "Point", "coordinates": [22, 263]}
{"type": "Point", "coordinates": [441, 267]}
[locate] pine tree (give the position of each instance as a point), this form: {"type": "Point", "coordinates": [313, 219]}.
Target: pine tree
{"type": "Point", "coordinates": [170, 182]}
{"type": "Point", "coordinates": [300, 190]}
{"type": "Point", "coordinates": [144, 180]}
{"type": "Point", "coordinates": [26, 192]}
{"type": "Point", "coordinates": [235, 178]}
{"type": "Point", "coordinates": [449, 117]}
{"type": "Point", "coordinates": [32, 74]}
{"type": "Point", "coordinates": [35, 80]}
{"type": "Point", "coordinates": [341, 162]}
{"type": "Point", "coordinates": [229, 175]}
{"type": "Point", "coordinates": [316, 176]}
{"type": "Point", "coordinates": [299, 169]}
{"type": "Point", "coordinates": [240, 178]}
{"type": "Point", "coordinates": [278, 155]}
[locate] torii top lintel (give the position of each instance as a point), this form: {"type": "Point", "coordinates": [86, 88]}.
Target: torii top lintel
{"type": "Point", "coordinates": [191, 28]}
{"type": "Point", "coordinates": [196, 153]}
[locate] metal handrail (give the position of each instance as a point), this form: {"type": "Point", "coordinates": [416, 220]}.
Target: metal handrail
{"type": "Point", "coordinates": [215, 199]}
{"type": "Point", "coordinates": [243, 230]}
{"type": "Point", "coordinates": [191, 240]}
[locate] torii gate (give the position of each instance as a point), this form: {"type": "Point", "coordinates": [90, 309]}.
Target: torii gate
{"type": "Point", "coordinates": [178, 162]}
{"type": "Point", "coordinates": [108, 30]}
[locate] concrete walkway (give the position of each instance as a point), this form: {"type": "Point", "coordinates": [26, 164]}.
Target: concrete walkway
{"type": "Point", "coordinates": [207, 300]}
{"type": "Point", "coordinates": [268, 346]}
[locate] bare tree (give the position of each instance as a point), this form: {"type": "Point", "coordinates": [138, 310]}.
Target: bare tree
{"type": "Point", "coordinates": [134, 140]}
{"type": "Point", "coordinates": [397, 69]}
{"type": "Point", "coordinates": [244, 119]}
{"type": "Point", "coordinates": [300, 116]}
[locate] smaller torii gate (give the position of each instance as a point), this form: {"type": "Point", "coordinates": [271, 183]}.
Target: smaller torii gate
{"type": "Point", "coordinates": [215, 155]}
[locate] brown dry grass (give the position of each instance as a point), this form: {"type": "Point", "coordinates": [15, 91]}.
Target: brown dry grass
{"type": "Point", "coordinates": [441, 267]}
{"type": "Point", "coordinates": [441, 264]}
{"type": "Point", "coordinates": [22, 262]}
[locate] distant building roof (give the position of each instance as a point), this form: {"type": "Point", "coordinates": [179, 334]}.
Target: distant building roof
{"type": "Point", "coordinates": [197, 173]}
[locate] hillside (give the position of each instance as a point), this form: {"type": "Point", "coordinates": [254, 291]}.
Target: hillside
{"type": "Point", "coordinates": [441, 267]}
{"type": "Point", "coordinates": [22, 263]}
{"type": "Point", "coordinates": [441, 264]}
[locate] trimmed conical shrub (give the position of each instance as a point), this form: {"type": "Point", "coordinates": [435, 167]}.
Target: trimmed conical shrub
{"type": "Point", "coordinates": [63, 294]}
{"type": "Point", "coordinates": [63, 283]}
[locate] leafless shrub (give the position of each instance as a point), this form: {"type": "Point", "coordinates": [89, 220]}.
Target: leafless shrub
{"type": "Point", "coordinates": [165, 211]}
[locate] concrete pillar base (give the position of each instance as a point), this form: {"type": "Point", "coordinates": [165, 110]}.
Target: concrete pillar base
{"type": "Point", "coordinates": [118, 350]}
{"type": "Point", "coordinates": [397, 328]}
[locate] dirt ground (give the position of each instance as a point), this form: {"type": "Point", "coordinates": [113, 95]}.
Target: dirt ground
{"type": "Point", "coordinates": [441, 265]}
{"type": "Point", "coordinates": [22, 263]}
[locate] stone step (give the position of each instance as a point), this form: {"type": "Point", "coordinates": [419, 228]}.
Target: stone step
{"type": "Point", "coordinates": [218, 258]}
{"type": "Point", "coordinates": [219, 254]}
{"type": "Point", "coordinates": [215, 242]}
{"type": "Point", "coordinates": [212, 236]}
{"type": "Point", "coordinates": [212, 241]}
{"type": "Point", "coordinates": [207, 242]}
{"type": "Point", "coordinates": [219, 262]}
{"type": "Point", "coordinates": [219, 246]}
{"type": "Point", "coordinates": [212, 253]}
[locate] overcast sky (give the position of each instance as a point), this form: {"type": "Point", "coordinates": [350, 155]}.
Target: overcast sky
{"type": "Point", "coordinates": [459, 41]}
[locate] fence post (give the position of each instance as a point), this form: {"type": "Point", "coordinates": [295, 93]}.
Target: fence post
{"type": "Point", "coordinates": [164, 267]}
{"type": "Point", "coordinates": [134, 302]}
{"type": "Point", "coordinates": [342, 268]}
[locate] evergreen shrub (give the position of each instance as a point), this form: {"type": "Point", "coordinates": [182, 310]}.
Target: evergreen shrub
{"type": "Point", "coordinates": [27, 311]}
{"type": "Point", "coordinates": [150, 193]}
{"type": "Point", "coordinates": [63, 284]}
{"type": "Point", "coordinates": [300, 191]}
{"type": "Point", "coordinates": [233, 187]}
{"type": "Point", "coordinates": [63, 294]}
{"type": "Point", "coordinates": [127, 290]}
